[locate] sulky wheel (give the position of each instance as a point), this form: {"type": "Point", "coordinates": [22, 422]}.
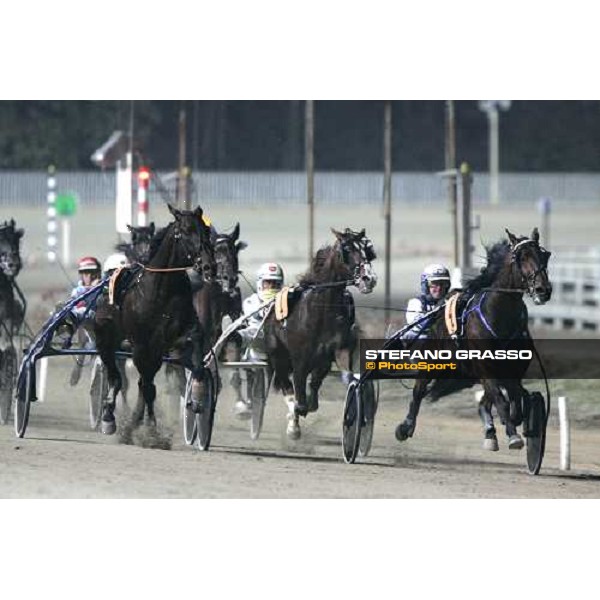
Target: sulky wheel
{"type": "Point", "coordinates": [188, 416]}
{"type": "Point", "coordinates": [369, 393]}
{"type": "Point", "coordinates": [259, 400]}
{"type": "Point", "coordinates": [8, 371]}
{"type": "Point", "coordinates": [25, 395]}
{"type": "Point", "coordinates": [206, 418]}
{"type": "Point", "coordinates": [352, 422]}
{"type": "Point", "coordinates": [537, 419]}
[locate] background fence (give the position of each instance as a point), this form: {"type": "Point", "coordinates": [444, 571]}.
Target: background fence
{"type": "Point", "coordinates": [575, 304]}
{"type": "Point", "coordinates": [29, 188]}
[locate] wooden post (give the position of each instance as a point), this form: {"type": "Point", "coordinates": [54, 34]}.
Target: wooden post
{"type": "Point", "coordinates": [387, 202]}
{"type": "Point", "coordinates": [451, 175]}
{"type": "Point", "coordinates": [309, 132]}
{"type": "Point", "coordinates": [183, 199]}
{"type": "Point", "coordinates": [465, 218]}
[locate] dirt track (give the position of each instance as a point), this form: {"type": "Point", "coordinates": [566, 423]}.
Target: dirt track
{"type": "Point", "coordinates": [61, 457]}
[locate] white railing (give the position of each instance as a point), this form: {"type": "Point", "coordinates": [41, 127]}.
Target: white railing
{"type": "Point", "coordinates": [575, 303]}
{"type": "Point", "coordinates": [249, 188]}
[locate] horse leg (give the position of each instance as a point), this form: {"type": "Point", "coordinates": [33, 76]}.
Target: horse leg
{"type": "Point", "coordinates": [490, 440]}
{"type": "Point", "coordinates": [147, 365]}
{"type": "Point", "coordinates": [106, 344]}
{"type": "Point", "coordinates": [122, 366]}
{"type": "Point", "coordinates": [282, 368]}
{"type": "Point", "coordinates": [407, 428]}
{"type": "Point", "coordinates": [316, 380]}
{"type": "Point", "coordinates": [515, 413]}
{"type": "Point", "coordinates": [492, 388]}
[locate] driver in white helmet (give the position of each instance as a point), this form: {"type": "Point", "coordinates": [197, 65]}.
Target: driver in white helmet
{"type": "Point", "coordinates": [114, 262]}
{"type": "Point", "coordinates": [269, 280]}
{"type": "Point", "coordinates": [435, 285]}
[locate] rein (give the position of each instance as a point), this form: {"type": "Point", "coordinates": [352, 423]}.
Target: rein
{"type": "Point", "coordinates": [504, 290]}
{"type": "Point", "coordinates": [165, 270]}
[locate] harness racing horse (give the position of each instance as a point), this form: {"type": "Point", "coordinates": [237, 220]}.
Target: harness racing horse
{"type": "Point", "coordinates": [494, 310]}
{"type": "Point", "coordinates": [156, 314]}
{"type": "Point", "coordinates": [320, 323]}
{"type": "Point", "coordinates": [12, 311]}
{"type": "Point", "coordinates": [212, 300]}
{"type": "Point", "coordinates": [138, 251]}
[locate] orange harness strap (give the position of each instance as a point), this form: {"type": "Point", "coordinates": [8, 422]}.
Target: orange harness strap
{"type": "Point", "coordinates": [450, 314]}
{"type": "Point", "coordinates": [281, 304]}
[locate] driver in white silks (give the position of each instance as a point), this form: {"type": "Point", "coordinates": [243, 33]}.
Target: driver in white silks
{"type": "Point", "coordinates": [435, 285]}
{"type": "Point", "coordinates": [269, 280]}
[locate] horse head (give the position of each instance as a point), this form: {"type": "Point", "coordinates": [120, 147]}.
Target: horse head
{"type": "Point", "coordinates": [10, 257]}
{"type": "Point", "coordinates": [141, 238]}
{"type": "Point", "coordinates": [193, 237]}
{"type": "Point", "coordinates": [227, 248]}
{"type": "Point", "coordinates": [530, 261]}
{"type": "Point", "coordinates": [357, 254]}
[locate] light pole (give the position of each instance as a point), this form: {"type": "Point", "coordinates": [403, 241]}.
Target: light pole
{"type": "Point", "coordinates": [492, 108]}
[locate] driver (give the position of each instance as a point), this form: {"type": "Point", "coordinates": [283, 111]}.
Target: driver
{"type": "Point", "coordinates": [435, 285]}
{"type": "Point", "coordinates": [269, 280]}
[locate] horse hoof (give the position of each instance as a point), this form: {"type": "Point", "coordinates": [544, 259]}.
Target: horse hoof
{"type": "Point", "coordinates": [109, 427]}
{"type": "Point", "coordinates": [293, 430]}
{"type": "Point", "coordinates": [515, 442]}
{"type": "Point", "coordinates": [491, 444]}
{"type": "Point", "coordinates": [402, 433]}
{"type": "Point", "coordinates": [301, 409]}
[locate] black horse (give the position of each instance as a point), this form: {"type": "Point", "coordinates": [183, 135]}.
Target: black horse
{"type": "Point", "coordinates": [12, 310]}
{"type": "Point", "coordinates": [320, 325]}
{"type": "Point", "coordinates": [215, 299]}
{"type": "Point", "coordinates": [156, 314]}
{"type": "Point", "coordinates": [493, 310]}
{"type": "Point", "coordinates": [138, 250]}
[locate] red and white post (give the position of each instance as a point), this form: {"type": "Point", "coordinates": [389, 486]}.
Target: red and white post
{"type": "Point", "coordinates": [142, 196]}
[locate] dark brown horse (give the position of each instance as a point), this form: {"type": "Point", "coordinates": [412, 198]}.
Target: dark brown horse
{"type": "Point", "coordinates": [493, 310]}
{"type": "Point", "coordinates": [12, 311]}
{"type": "Point", "coordinates": [138, 250]}
{"type": "Point", "coordinates": [221, 296]}
{"type": "Point", "coordinates": [156, 314]}
{"type": "Point", "coordinates": [320, 322]}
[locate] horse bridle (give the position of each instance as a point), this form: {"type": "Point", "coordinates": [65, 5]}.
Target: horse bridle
{"type": "Point", "coordinates": [197, 264]}
{"type": "Point", "coordinates": [4, 261]}
{"type": "Point", "coordinates": [529, 280]}
{"type": "Point", "coordinates": [220, 275]}
{"type": "Point", "coordinates": [365, 247]}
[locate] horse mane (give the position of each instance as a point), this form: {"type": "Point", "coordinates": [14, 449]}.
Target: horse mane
{"type": "Point", "coordinates": [325, 267]}
{"type": "Point", "coordinates": [496, 259]}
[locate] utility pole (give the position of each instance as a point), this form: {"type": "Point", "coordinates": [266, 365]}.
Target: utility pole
{"type": "Point", "coordinates": [465, 220]}
{"type": "Point", "coordinates": [387, 201]}
{"type": "Point", "coordinates": [492, 109]}
{"type": "Point", "coordinates": [309, 135]}
{"type": "Point", "coordinates": [450, 170]}
{"type": "Point", "coordinates": [183, 199]}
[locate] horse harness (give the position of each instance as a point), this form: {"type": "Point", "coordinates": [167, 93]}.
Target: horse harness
{"type": "Point", "coordinates": [529, 280]}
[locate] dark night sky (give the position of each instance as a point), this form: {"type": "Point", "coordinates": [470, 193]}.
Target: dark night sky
{"type": "Point", "coordinates": [269, 135]}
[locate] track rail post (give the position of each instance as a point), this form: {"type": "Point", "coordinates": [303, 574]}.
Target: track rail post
{"type": "Point", "coordinates": [565, 434]}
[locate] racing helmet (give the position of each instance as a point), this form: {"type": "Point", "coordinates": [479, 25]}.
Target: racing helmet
{"type": "Point", "coordinates": [268, 272]}
{"type": "Point", "coordinates": [88, 264]}
{"type": "Point", "coordinates": [433, 273]}
{"type": "Point", "coordinates": [114, 261]}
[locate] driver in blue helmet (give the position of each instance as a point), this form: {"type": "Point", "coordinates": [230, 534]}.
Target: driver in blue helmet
{"type": "Point", "coordinates": [435, 285]}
